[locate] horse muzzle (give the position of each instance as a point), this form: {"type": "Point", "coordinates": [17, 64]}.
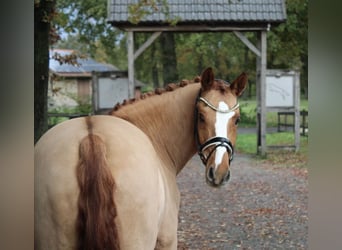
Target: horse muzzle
{"type": "Point", "coordinates": [216, 178]}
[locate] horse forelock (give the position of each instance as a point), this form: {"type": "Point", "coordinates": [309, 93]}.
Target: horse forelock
{"type": "Point", "coordinates": [221, 86]}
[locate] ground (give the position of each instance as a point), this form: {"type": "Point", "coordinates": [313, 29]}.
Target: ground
{"type": "Point", "coordinates": [263, 206]}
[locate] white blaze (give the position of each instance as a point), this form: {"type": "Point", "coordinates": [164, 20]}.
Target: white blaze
{"type": "Point", "coordinates": [222, 120]}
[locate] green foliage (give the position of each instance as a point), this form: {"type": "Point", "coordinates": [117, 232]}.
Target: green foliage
{"type": "Point", "coordinates": [86, 21]}
{"type": "Point", "coordinates": [247, 114]}
{"type": "Point", "coordinates": [81, 109]}
{"type": "Point", "coordinates": [195, 51]}
{"type": "Point", "coordinates": [143, 8]}
{"type": "Point", "coordinates": [52, 121]}
{"type": "Point", "coordinates": [288, 43]}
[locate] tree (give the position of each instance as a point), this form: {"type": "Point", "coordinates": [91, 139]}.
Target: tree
{"type": "Point", "coordinates": [220, 50]}
{"type": "Point", "coordinates": [169, 58]}
{"type": "Point", "coordinates": [44, 11]}
{"type": "Point", "coordinates": [288, 43]}
{"type": "Point", "coordinates": [85, 19]}
{"type": "Point", "coordinates": [161, 55]}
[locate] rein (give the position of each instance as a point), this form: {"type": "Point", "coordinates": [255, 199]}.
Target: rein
{"type": "Point", "coordinates": [216, 141]}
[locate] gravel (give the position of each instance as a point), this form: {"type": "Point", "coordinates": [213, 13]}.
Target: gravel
{"type": "Point", "coordinates": [263, 206]}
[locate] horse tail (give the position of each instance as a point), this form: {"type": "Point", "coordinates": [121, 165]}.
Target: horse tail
{"type": "Point", "coordinates": [95, 224]}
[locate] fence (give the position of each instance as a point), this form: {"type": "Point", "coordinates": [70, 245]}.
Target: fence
{"type": "Point", "coordinates": [286, 121]}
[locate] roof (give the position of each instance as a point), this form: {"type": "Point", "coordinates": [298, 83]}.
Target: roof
{"type": "Point", "coordinates": [84, 68]}
{"type": "Point", "coordinates": [243, 13]}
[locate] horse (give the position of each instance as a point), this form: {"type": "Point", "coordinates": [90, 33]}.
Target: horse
{"type": "Point", "coordinates": [109, 181]}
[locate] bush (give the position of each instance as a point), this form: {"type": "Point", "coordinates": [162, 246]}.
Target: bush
{"type": "Point", "coordinates": [247, 114]}
{"type": "Point", "coordinates": [82, 109]}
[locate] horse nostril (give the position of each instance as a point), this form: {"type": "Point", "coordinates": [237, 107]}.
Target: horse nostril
{"type": "Point", "coordinates": [211, 173]}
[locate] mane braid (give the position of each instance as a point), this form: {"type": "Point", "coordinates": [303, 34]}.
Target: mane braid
{"type": "Point", "coordinates": [157, 91]}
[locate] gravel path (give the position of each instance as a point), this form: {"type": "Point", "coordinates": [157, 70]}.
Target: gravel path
{"type": "Point", "coordinates": [261, 207]}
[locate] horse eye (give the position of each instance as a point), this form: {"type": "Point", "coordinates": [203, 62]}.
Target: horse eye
{"type": "Point", "coordinates": [201, 118]}
{"type": "Point", "coordinates": [237, 121]}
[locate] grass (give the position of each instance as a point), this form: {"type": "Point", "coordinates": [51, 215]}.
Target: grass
{"type": "Point", "coordinates": [248, 113]}
{"type": "Point", "coordinates": [247, 144]}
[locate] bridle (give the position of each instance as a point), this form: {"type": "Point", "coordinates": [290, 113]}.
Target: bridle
{"type": "Point", "coordinates": [216, 141]}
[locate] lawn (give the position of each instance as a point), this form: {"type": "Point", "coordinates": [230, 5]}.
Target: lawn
{"type": "Point", "coordinates": [248, 113]}
{"type": "Point", "coordinates": [247, 143]}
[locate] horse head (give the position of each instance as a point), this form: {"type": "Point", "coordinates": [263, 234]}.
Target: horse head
{"type": "Point", "coordinates": [216, 119]}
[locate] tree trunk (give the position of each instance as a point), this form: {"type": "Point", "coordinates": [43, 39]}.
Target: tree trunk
{"type": "Point", "coordinates": [42, 19]}
{"type": "Point", "coordinates": [246, 63]}
{"type": "Point", "coordinates": [169, 59]}
{"type": "Point", "coordinates": [155, 76]}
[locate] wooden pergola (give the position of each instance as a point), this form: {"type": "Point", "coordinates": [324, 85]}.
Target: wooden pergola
{"type": "Point", "coordinates": [208, 16]}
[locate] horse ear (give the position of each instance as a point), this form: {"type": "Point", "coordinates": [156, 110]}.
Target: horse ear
{"type": "Point", "coordinates": [239, 84]}
{"type": "Point", "coordinates": [207, 79]}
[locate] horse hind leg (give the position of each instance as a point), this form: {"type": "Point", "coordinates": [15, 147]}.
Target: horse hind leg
{"type": "Point", "coordinates": [167, 236]}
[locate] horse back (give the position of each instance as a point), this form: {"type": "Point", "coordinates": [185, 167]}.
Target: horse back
{"type": "Point", "coordinates": [138, 188]}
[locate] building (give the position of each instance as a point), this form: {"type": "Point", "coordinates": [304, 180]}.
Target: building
{"type": "Point", "coordinates": [70, 84]}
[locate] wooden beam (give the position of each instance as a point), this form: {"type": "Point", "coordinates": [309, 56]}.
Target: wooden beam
{"type": "Point", "coordinates": [247, 43]}
{"type": "Point", "coordinates": [146, 44]}
{"type": "Point", "coordinates": [191, 28]}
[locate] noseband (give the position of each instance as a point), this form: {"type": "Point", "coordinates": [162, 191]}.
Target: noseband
{"type": "Point", "coordinates": [216, 141]}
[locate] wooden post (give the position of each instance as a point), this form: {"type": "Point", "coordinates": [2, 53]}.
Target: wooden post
{"type": "Point", "coordinates": [132, 56]}
{"type": "Point", "coordinates": [263, 90]}
{"type": "Point", "coordinates": [261, 93]}
{"type": "Point", "coordinates": [258, 94]}
{"type": "Point", "coordinates": [130, 53]}
{"type": "Point", "coordinates": [95, 97]}
{"type": "Point", "coordinates": [297, 110]}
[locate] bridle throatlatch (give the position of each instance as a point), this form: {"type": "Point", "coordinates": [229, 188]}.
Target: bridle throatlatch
{"type": "Point", "coordinates": [216, 141]}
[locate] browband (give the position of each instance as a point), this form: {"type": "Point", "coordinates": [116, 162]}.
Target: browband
{"type": "Point", "coordinates": [236, 106]}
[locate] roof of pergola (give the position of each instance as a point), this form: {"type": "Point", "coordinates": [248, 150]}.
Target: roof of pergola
{"type": "Point", "coordinates": [201, 15]}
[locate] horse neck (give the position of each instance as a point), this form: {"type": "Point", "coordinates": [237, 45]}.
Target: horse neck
{"type": "Point", "coordinates": [168, 120]}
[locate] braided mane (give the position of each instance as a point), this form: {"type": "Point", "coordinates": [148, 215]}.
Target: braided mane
{"type": "Point", "coordinates": [157, 91]}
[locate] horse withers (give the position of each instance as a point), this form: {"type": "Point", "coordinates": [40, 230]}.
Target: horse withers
{"type": "Point", "coordinates": [109, 182]}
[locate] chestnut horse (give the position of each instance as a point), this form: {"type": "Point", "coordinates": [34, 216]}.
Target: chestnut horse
{"type": "Point", "coordinates": [109, 182]}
